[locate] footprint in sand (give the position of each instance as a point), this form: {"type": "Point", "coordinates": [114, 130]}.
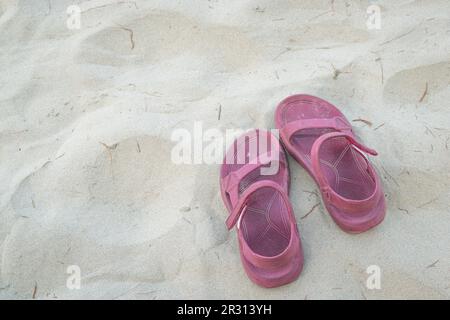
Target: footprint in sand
{"type": "Point", "coordinates": [117, 217]}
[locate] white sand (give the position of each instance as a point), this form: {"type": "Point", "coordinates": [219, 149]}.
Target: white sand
{"type": "Point", "coordinates": [121, 214]}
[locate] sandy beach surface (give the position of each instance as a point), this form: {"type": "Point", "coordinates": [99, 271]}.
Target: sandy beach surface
{"type": "Point", "coordinates": [87, 115]}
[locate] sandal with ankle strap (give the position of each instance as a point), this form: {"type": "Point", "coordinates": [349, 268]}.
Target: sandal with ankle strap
{"type": "Point", "coordinates": [321, 139]}
{"type": "Point", "coordinates": [254, 182]}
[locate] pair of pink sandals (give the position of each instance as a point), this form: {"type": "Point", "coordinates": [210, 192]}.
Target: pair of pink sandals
{"type": "Point", "coordinates": [321, 139]}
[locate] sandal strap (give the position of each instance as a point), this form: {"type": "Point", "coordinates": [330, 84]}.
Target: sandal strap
{"type": "Point", "coordinates": [336, 123]}
{"type": "Point", "coordinates": [232, 181]}
{"type": "Point", "coordinates": [349, 205]}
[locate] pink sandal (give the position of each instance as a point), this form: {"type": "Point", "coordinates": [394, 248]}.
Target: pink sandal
{"type": "Point", "coordinates": [321, 139]}
{"type": "Point", "coordinates": [258, 203]}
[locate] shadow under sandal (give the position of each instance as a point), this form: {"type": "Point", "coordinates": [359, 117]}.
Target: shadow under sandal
{"type": "Point", "coordinates": [259, 206]}
{"type": "Point", "coordinates": [321, 139]}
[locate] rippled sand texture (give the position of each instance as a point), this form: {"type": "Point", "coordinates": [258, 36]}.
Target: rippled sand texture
{"type": "Point", "coordinates": [86, 120]}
